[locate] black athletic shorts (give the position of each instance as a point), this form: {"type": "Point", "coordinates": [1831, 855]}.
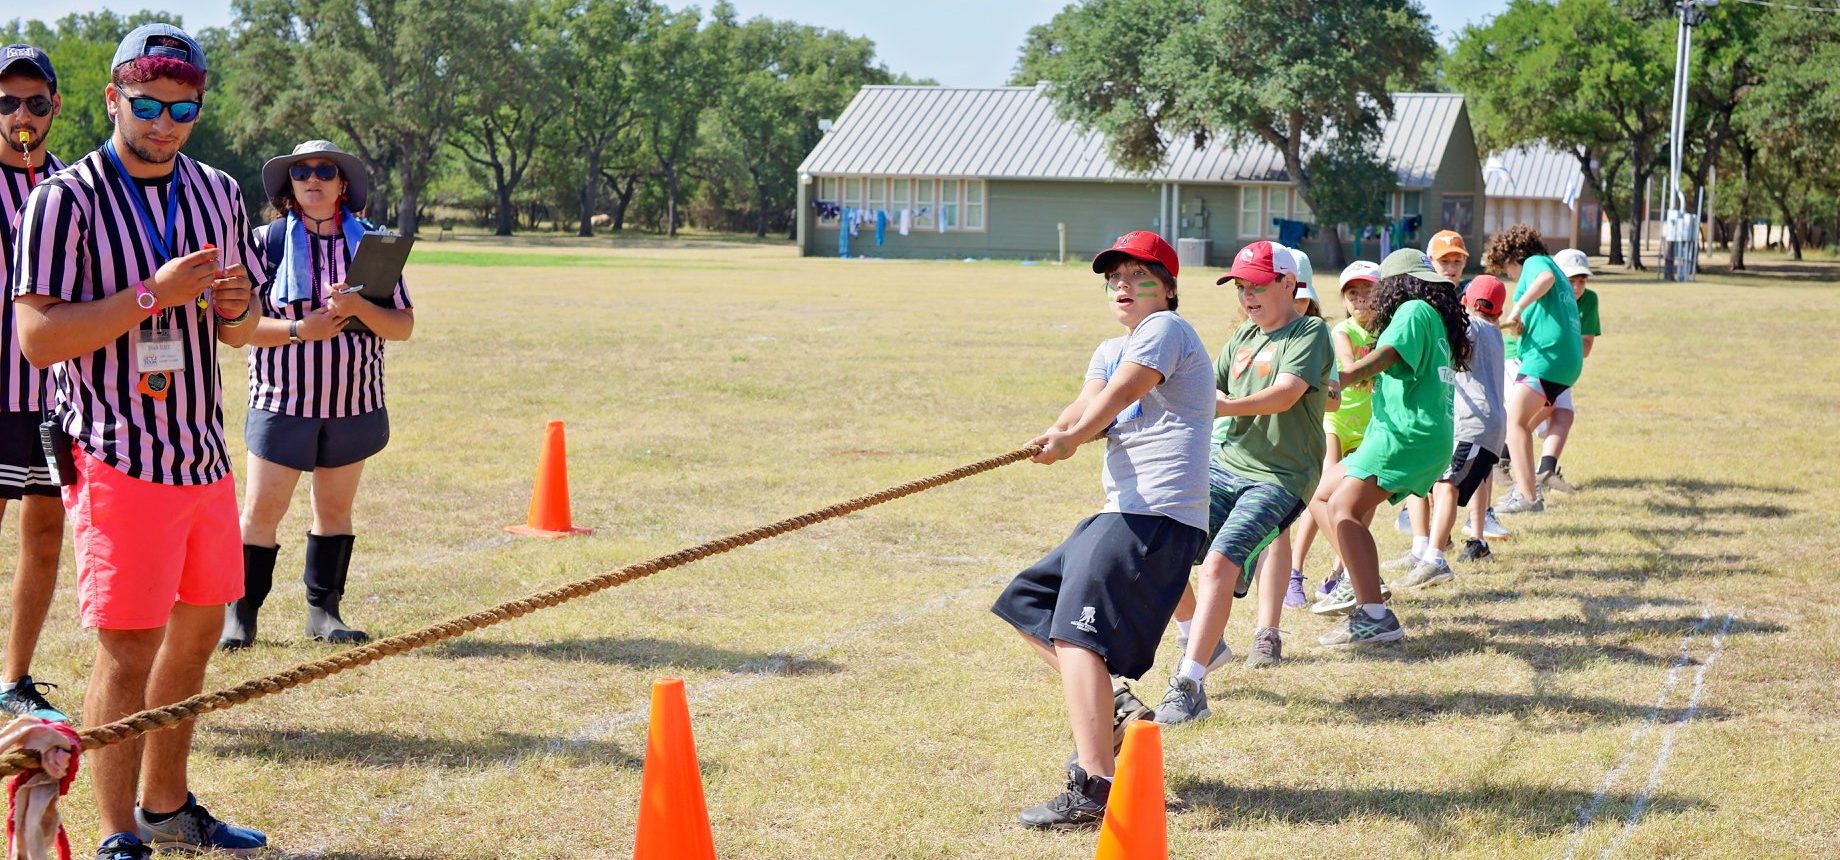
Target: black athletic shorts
{"type": "Point", "coordinates": [1469, 467]}
{"type": "Point", "coordinates": [304, 443]}
{"type": "Point", "coordinates": [1110, 588]}
{"type": "Point", "coordinates": [1549, 390]}
{"type": "Point", "coordinates": [23, 471]}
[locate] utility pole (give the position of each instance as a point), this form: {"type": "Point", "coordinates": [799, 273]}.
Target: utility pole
{"type": "Point", "coordinates": [1680, 229]}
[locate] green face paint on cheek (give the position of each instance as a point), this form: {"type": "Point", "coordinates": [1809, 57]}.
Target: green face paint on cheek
{"type": "Point", "coordinates": [1147, 289]}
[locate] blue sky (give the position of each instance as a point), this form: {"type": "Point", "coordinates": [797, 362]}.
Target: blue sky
{"type": "Point", "coordinates": [956, 42]}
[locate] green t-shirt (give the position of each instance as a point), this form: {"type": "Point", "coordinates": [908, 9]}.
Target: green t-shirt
{"type": "Point", "coordinates": [1350, 421]}
{"type": "Point", "coordinates": [1550, 346]}
{"type": "Point", "coordinates": [1588, 324]}
{"type": "Point", "coordinates": [1413, 432]}
{"type": "Point", "coordinates": [1287, 448]}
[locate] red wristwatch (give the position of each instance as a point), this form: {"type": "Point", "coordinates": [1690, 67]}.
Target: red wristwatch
{"type": "Point", "coordinates": [145, 299]}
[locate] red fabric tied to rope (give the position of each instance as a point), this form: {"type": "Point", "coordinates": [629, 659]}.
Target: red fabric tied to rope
{"type": "Point", "coordinates": [33, 827]}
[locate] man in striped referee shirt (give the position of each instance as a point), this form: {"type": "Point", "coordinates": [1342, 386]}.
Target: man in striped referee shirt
{"type": "Point", "coordinates": [132, 265]}
{"type": "Point", "coordinates": [28, 103]}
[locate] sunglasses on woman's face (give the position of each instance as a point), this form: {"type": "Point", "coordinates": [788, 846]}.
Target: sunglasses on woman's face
{"type": "Point", "coordinates": [38, 105]}
{"type": "Point", "coordinates": [324, 172]}
{"type": "Point", "coordinates": [148, 108]}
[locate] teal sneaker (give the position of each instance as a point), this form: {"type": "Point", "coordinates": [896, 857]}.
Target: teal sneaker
{"type": "Point", "coordinates": [27, 699]}
{"type": "Point", "coordinates": [1359, 629]}
{"type": "Point", "coordinates": [194, 830]}
{"type": "Point", "coordinates": [1341, 598]}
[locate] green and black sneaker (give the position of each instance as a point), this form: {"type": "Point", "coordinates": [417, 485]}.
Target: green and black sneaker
{"type": "Point", "coordinates": [1362, 629]}
{"type": "Point", "coordinates": [27, 699]}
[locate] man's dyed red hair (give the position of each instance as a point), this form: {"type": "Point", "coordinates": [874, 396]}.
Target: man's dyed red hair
{"type": "Point", "coordinates": [143, 69]}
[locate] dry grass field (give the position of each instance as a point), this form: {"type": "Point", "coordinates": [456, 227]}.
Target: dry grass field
{"type": "Point", "coordinates": [1647, 670]}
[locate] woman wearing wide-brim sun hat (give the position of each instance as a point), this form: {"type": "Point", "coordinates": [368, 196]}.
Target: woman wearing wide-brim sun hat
{"type": "Point", "coordinates": [315, 389]}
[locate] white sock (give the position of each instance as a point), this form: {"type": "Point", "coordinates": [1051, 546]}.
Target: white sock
{"type": "Point", "coordinates": [1419, 544]}
{"type": "Point", "coordinates": [1432, 554]}
{"type": "Point", "coordinates": [1107, 778]}
{"type": "Point", "coordinates": [1192, 670]}
{"type": "Point", "coordinates": [1376, 611]}
{"type": "Point", "coordinates": [1182, 627]}
{"type": "Point", "coordinates": [7, 686]}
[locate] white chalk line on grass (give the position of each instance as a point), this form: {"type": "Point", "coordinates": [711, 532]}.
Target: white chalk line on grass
{"type": "Point", "coordinates": [1588, 812]}
{"type": "Point", "coordinates": [1667, 739]}
{"type": "Point", "coordinates": [440, 786]}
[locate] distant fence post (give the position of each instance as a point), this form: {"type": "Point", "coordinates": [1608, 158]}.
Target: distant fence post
{"type": "Point", "coordinates": [1061, 229]}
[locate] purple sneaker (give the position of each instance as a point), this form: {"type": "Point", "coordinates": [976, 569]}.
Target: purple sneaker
{"type": "Point", "coordinates": [1294, 596]}
{"type": "Point", "coordinates": [1329, 582]}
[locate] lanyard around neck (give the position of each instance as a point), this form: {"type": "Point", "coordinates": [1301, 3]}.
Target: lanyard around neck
{"type": "Point", "coordinates": [163, 244]}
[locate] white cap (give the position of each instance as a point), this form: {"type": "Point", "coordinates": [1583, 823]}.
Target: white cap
{"type": "Point", "coordinates": [1305, 272]}
{"type": "Point", "coordinates": [1284, 259]}
{"type": "Point", "coordinates": [1573, 263]}
{"type": "Point", "coordinates": [1360, 270]}
{"type": "Point", "coordinates": [1305, 291]}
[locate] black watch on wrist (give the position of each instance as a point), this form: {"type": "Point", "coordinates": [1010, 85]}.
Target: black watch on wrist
{"type": "Point", "coordinates": [294, 332]}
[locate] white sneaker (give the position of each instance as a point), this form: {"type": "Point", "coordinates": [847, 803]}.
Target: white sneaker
{"type": "Point", "coordinates": [1428, 573]}
{"type": "Point", "coordinates": [1403, 522]}
{"type": "Point", "coordinates": [1492, 529]}
{"type": "Point", "coordinates": [1404, 562]}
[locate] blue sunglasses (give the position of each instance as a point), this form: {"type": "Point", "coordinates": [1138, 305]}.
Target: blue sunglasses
{"type": "Point", "coordinates": [148, 108]}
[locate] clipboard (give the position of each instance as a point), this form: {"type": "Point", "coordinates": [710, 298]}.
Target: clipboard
{"type": "Point", "coordinates": [375, 269]}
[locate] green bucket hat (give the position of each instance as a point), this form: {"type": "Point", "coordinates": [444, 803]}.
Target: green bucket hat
{"type": "Point", "coordinates": [1411, 261]}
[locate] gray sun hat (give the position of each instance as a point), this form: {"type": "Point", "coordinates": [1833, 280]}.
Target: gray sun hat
{"type": "Point", "coordinates": [275, 171]}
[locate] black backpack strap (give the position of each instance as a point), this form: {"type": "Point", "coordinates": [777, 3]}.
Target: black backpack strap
{"type": "Point", "coordinates": [274, 245]}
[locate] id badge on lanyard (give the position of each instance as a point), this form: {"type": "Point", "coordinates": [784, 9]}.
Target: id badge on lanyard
{"type": "Point", "coordinates": [157, 355]}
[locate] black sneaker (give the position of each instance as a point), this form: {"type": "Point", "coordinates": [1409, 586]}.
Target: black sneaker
{"type": "Point", "coordinates": [27, 699]}
{"type": "Point", "coordinates": [1474, 550]}
{"type": "Point", "coordinates": [1081, 806]}
{"type": "Point", "coordinates": [124, 846]}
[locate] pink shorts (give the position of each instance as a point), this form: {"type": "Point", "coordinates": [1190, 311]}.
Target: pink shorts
{"type": "Point", "coordinates": [142, 546]}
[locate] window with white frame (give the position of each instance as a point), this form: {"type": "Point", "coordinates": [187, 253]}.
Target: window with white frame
{"type": "Point", "coordinates": [876, 194]}
{"type": "Point", "coordinates": [852, 193]}
{"type": "Point", "coordinates": [1300, 211]}
{"type": "Point", "coordinates": [827, 192]}
{"type": "Point", "coordinates": [900, 196]}
{"type": "Point", "coordinates": [948, 202]}
{"type": "Point", "coordinates": [925, 195]}
{"type": "Point", "coordinates": [1277, 205]}
{"type": "Point", "coordinates": [1251, 210]}
{"type": "Point", "coordinates": [974, 204]}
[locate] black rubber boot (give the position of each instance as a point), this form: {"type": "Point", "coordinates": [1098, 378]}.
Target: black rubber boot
{"type": "Point", "coordinates": [328, 560]}
{"type": "Point", "coordinates": [240, 616]}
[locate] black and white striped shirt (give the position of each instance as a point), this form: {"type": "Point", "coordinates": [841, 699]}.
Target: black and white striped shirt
{"type": "Point", "coordinates": [22, 386]}
{"type": "Point", "coordinates": [335, 378]}
{"type": "Point", "coordinates": [81, 240]}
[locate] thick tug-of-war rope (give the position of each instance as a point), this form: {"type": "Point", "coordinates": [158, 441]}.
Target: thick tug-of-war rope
{"type": "Point", "coordinates": [155, 719]}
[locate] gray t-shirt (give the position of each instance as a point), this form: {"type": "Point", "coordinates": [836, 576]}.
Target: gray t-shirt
{"type": "Point", "coordinates": [1481, 411]}
{"type": "Point", "coordinates": [1156, 453]}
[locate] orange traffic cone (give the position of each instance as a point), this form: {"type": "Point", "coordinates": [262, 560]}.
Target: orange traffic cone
{"type": "Point", "coordinates": [1136, 822]}
{"type": "Point", "coordinates": [549, 500]}
{"type": "Point", "coordinates": [673, 822]}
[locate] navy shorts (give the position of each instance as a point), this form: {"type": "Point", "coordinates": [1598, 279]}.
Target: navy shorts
{"type": "Point", "coordinates": [1470, 465]}
{"type": "Point", "coordinates": [1244, 516]}
{"type": "Point", "coordinates": [305, 443]}
{"type": "Point", "coordinates": [1110, 588]}
{"type": "Point", "coordinates": [23, 471]}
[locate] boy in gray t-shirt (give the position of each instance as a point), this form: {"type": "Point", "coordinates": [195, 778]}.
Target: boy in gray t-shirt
{"type": "Point", "coordinates": [1481, 421]}
{"type": "Point", "coordinates": [1096, 606]}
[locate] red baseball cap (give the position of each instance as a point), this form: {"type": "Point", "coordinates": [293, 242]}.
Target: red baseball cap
{"type": "Point", "coordinates": [1261, 263]}
{"type": "Point", "coordinates": [1486, 293]}
{"type": "Point", "coordinates": [1141, 245]}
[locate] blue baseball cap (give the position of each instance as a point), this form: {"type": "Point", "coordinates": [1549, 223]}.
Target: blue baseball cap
{"type": "Point", "coordinates": [13, 55]}
{"type": "Point", "coordinates": [137, 45]}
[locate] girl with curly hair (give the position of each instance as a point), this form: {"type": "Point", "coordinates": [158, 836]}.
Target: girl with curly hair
{"type": "Point", "coordinates": [1550, 350]}
{"type": "Point", "coordinates": [1424, 340]}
